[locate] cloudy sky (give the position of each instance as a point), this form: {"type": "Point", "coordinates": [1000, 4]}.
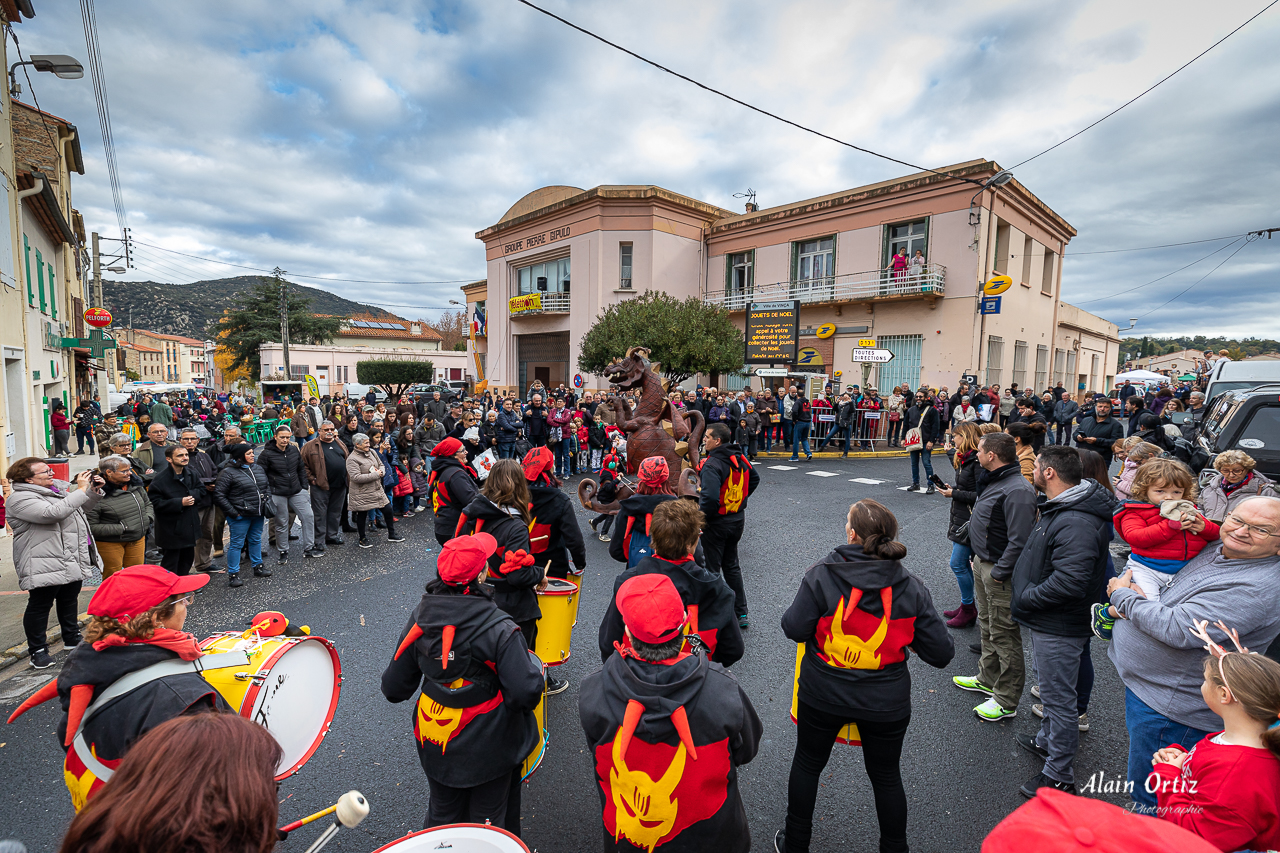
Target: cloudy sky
{"type": "Point", "coordinates": [371, 139]}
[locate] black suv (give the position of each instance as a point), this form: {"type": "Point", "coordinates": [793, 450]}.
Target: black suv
{"type": "Point", "coordinates": [1248, 421]}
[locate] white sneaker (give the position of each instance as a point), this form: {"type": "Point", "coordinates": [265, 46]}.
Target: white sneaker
{"type": "Point", "coordinates": [1038, 710]}
{"type": "Point", "coordinates": [1035, 690]}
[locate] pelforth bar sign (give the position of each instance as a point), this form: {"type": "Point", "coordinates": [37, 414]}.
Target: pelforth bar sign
{"type": "Point", "coordinates": [773, 332]}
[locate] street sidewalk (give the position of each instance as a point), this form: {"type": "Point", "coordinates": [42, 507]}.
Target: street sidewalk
{"type": "Point", "coordinates": [13, 601]}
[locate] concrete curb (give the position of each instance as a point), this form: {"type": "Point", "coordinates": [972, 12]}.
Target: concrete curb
{"type": "Point", "coordinates": [831, 454]}
{"type": "Point", "coordinates": [20, 652]}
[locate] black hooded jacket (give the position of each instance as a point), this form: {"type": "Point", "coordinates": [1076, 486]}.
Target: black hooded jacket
{"type": "Point", "coordinates": [657, 792]}
{"type": "Point", "coordinates": [554, 519]}
{"type": "Point", "coordinates": [728, 478]}
{"type": "Point", "coordinates": [476, 731]}
{"type": "Point", "coordinates": [1062, 569]}
{"type": "Point", "coordinates": [638, 507]}
{"type": "Point", "coordinates": [177, 526]}
{"type": "Point", "coordinates": [855, 656]}
{"type": "Point", "coordinates": [513, 593]}
{"type": "Point", "coordinates": [964, 494]}
{"type": "Point", "coordinates": [453, 486]}
{"type": "Point", "coordinates": [717, 623]}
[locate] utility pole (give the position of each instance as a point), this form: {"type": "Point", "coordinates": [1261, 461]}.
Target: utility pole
{"type": "Point", "coordinates": [106, 374]}
{"type": "Point", "coordinates": [284, 319]}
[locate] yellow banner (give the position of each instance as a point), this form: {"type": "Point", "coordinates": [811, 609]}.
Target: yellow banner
{"type": "Point", "coordinates": [528, 302]}
{"type": "Point", "coordinates": [313, 387]}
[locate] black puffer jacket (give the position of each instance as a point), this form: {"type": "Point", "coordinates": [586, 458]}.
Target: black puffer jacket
{"type": "Point", "coordinates": [513, 593]}
{"type": "Point", "coordinates": [554, 518]}
{"type": "Point", "coordinates": [963, 494]}
{"type": "Point", "coordinates": [243, 490]}
{"type": "Point", "coordinates": [284, 469]}
{"type": "Point", "coordinates": [638, 507]}
{"type": "Point", "coordinates": [123, 514]}
{"type": "Point", "coordinates": [1062, 569]}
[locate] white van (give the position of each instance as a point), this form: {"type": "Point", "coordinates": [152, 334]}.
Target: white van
{"type": "Point", "coordinates": [1240, 376]}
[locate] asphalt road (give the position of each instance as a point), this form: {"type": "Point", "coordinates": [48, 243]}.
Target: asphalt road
{"type": "Point", "coordinates": [961, 774]}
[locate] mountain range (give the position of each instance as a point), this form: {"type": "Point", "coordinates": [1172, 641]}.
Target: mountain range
{"type": "Point", "coordinates": [189, 309]}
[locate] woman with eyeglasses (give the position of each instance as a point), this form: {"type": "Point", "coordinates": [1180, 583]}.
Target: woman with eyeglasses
{"type": "Point", "coordinates": [53, 550]}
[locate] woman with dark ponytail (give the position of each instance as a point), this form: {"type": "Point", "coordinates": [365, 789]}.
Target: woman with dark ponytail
{"type": "Point", "coordinates": [857, 612]}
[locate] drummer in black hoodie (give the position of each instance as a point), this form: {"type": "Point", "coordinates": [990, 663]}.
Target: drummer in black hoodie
{"type": "Point", "coordinates": [631, 544]}
{"type": "Point", "coordinates": [708, 599]}
{"type": "Point", "coordinates": [728, 478]}
{"type": "Point", "coordinates": [473, 720]}
{"type": "Point", "coordinates": [452, 484]}
{"type": "Point", "coordinates": [667, 730]}
{"type": "Point", "coordinates": [556, 535]}
{"type": "Point", "coordinates": [857, 612]}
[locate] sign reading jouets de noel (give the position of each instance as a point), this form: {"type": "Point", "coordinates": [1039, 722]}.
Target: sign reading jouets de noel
{"type": "Point", "coordinates": [773, 332]}
{"type": "Point", "coordinates": [533, 241]}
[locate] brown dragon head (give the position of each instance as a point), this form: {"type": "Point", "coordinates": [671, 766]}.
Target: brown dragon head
{"type": "Point", "coordinates": [628, 371]}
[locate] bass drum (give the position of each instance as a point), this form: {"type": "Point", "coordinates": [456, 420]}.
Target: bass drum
{"type": "Point", "coordinates": [534, 758]}
{"type": "Point", "coordinates": [848, 735]}
{"type": "Point", "coordinates": [290, 687]}
{"type": "Point", "coordinates": [457, 838]}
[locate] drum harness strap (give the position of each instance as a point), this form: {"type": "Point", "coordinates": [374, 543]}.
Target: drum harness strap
{"type": "Point", "coordinates": [140, 678]}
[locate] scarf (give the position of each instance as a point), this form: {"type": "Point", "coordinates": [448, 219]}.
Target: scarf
{"type": "Point", "coordinates": [166, 638]}
{"type": "Point", "coordinates": [1229, 489]}
{"type": "Point", "coordinates": [962, 459]}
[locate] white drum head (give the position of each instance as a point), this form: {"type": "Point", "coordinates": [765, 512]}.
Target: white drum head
{"type": "Point", "coordinates": [295, 701]}
{"type": "Point", "coordinates": [457, 838]}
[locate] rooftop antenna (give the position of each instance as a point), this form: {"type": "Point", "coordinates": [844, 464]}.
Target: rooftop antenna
{"type": "Point", "coordinates": [750, 196]}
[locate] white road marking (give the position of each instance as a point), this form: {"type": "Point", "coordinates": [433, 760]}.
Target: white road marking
{"type": "Point", "coordinates": [868, 481]}
{"type": "Point", "coordinates": [822, 474]}
{"type": "Point", "coordinates": [782, 467]}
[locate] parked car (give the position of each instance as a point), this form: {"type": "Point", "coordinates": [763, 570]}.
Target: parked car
{"type": "Point", "coordinates": [1240, 376]}
{"type": "Point", "coordinates": [1248, 421]}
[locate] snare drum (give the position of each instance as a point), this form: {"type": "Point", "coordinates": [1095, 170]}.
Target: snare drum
{"type": "Point", "coordinates": [559, 606]}
{"type": "Point", "coordinates": [459, 838]}
{"type": "Point", "coordinates": [290, 687]}
{"type": "Point", "coordinates": [849, 734]}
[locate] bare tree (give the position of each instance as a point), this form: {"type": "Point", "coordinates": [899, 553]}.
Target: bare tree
{"type": "Point", "coordinates": [453, 327]}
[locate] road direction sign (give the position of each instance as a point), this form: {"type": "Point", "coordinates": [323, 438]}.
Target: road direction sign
{"type": "Point", "coordinates": [771, 371]}
{"type": "Point", "coordinates": [875, 356]}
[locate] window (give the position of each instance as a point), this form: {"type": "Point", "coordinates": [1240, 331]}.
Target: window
{"type": "Point", "coordinates": [1050, 269]}
{"type": "Point", "coordinates": [1020, 364]}
{"type": "Point", "coordinates": [1002, 248]}
{"type": "Point", "coordinates": [815, 262]}
{"type": "Point", "coordinates": [1059, 366]}
{"type": "Point", "coordinates": [995, 358]}
{"type": "Point", "coordinates": [1042, 367]}
{"type": "Point", "coordinates": [1093, 374]}
{"type": "Point", "coordinates": [44, 302]}
{"type": "Point", "coordinates": [905, 366]}
{"type": "Point", "coordinates": [548, 277]}
{"type": "Point", "coordinates": [1028, 248]}
{"type": "Point", "coordinates": [1073, 380]}
{"type": "Point", "coordinates": [624, 266]}
{"type": "Point", "coordinates": [298, 371]}
{"type": "Point", "coordinates": [741, 267]}
{"type": "Point", "coordinates": [908, 235]}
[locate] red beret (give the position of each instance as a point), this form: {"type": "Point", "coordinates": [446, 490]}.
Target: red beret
{"type": "Point", "coordinates": [135, 590]}
{"type": "Point", "coordinates": [463, 558]}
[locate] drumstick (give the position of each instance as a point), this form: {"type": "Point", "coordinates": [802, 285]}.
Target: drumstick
{"type": "Point", "coordinates": [290, 827]}
{"type": "Point", "coordinates": [354, 798]}
{"type": "Point", "coordinates": [351, 808]}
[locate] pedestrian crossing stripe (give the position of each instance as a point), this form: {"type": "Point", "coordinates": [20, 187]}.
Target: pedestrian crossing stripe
{"type": "Point", "coordinates": [867, 480]}
{"type": "Point", "coordinates": [822, 474]}
{"type": "Point", "coordinates": [782, 467]}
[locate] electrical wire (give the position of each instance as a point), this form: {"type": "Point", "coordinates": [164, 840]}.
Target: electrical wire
{"type": "Point", "coordinates": [1247, 241]}
{"type": "Point", "coordinates": [1154, 280]}
{"type": "Point", "coordinates": [1147, 90]}
{"type": "Point", "coordinates": [90, 18]}
{"type": "Point", "coordinates": [741, 102]}
{"type": "Point", "coordinates": [1162, 246]}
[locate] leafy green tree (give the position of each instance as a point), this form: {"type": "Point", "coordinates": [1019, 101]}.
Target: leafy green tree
{"type": "Point", "coordinates": [685, 337]}
{"type": "Point", "coordinates": [255, 320]}
{"type": "Point", "coordinates": [394, 375]}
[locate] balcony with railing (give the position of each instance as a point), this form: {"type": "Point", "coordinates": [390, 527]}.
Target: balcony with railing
{"type": "Point", "coordinates": [929, 283]}
{"type": "Point", "coordinates": [538, 303]}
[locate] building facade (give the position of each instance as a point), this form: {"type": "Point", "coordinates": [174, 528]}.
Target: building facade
{"type": "Point", "coordinates": [834, 254]}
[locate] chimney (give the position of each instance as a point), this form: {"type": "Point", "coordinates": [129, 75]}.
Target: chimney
{"type": "Point", "coordinates": [416, 329]}
{"type": "Point", "coordinates": [752, 207]}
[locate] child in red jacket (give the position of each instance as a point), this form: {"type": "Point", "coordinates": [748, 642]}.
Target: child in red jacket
{"type": "Point", "coordinates": [1163, 528]}
{"type": "Point", "coordinates": [1227, 788]}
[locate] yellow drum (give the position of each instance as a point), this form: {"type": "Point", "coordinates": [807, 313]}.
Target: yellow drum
{"type": "Point", "coordinates": [540, 748]}
{"type": "Point", "coordinates": [559, 606]}
{"type": "Point", "coordinates": [849, 734]}
{"type": "Point", "coordinates": [290, 687]}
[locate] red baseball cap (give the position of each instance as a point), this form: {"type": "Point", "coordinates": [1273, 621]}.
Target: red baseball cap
{"type": "Point", "coordinates": [1056, 822]}
{"type": "Point", "coordinates": [463, 558]}
{"type": "Point", "coordinates": [135, 590]}
{"type": "Point", "coordinates": [651, 608]}
{"type": "Point", "coordinates": [536, 461]}
{"type": "Point", "coordinates": [448, 447]}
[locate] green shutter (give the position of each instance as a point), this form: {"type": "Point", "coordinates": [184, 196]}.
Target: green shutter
{"type": "Point", "coordinates": [31, 293]}
{"type": "Point", "coordinates": [44, 303]}
{"type": "Point", "coordinates": [53, 293]}
{"type": "Point", "coordinates": [795, 261]}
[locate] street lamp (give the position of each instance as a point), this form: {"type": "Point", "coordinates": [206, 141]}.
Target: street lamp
{"type": "Point", "coordinates": [117, 270]}
{"type": "Point", "coordinates": [999, 179]}
{"type": "Point", "coordinates": [66, 67]}
{"type": "Point", "coordinates": [456, 302]}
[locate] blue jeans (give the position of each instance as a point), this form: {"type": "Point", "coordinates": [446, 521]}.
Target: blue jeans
{"type": "Point", "coordinates": [961, 565]}
{"type": "Point", "coordinates": [918, 456]}
{"type": "Point", "coordinates": [1149, 731]}
{"type": "Point", "coordinates": [564, 447]}
{"type": "Point", "coordinates": [768, 434]}
{"type": "Point", "coordinates": [245, 529]}
{"type": "Point", "coordinates": [506, 449]}
{"type": "Point", "coordinates": [787, 426]}
{"type": "Point", "coordinates": [800, 440]}
{"type": "Point", "coordinates": [838, 434]}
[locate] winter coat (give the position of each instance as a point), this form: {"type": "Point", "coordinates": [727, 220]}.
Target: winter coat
{"type": "Point", "coordinates": [1062, 569]}
{"type": "Point", "coordinates": [426, 438]}
{"type": "Point", "coordinates": [364, 483]}
{"type": "Point", "coordinates": [243, 490]}
{"type": "Point", "coordinates": [801, 410]}
{"type": "Point", "coordinates": [314, 462]}
{"type": "Point", "coordinates": [473, 720]}
{"type": "Point", "coordinates": [177, 526]}
{"type": "Point", "coordinates": [561, 419]}
{"type": "Point", "coordinates": [452, 486]}
{"type": "Point", "coordinates": [727, 479]}
{"type": "Point", "coordinates": [1124, 482]}
{"type": "Point", "coordinates": [963, 495]}
{"type": "Point", "coordinates": [513, 592]}
{"type": "Point", "coordinates": [707, 599]}
{"type": "Point", "coordinates": [1065, 411]}
{"type": "Point", "coordinates": [145, 454]}
{"type": "Point", "coordinates": [676, 797]}
{"type": "Point", "coordinates": [123, 514]}
{"type": "Point", "coordinates": [201, 464]}
{"type": "Point", "coordinates": [285, 469]}
{"type": "Point", "coordinates": [718, 415]}
{"type": "Point", "coordinates": [1027, 462]}
{"type": "Point", "coordinates": [1217, 503]}
{"type": "Point", "coordinates": [556, 535]}
{"type": "Point", "coordinates": [439, 408]}
{"type": "Point", "coordinates": [51, 540]}
{"type": "Point", "coordinates": [964, 413]}
{"type": "Point", "coordinates": [488, 434]}
{"type": "Point", "coordinates": [928, 420]}
{"type": "Point", "coordinates": [535, 422]}
{"type": "Point", "coordinates": [857, 615]}
{"type": "Point", "coordinates": [510, 425]}
{"type": "Point", "coordinates": [750, 424]}
{"type": "Point", "coordinates": [1156, 538]}
{"type": "Point", "coordinates": [1003, 516]}
{"type": "Point", "coordinates": [1107, 433]}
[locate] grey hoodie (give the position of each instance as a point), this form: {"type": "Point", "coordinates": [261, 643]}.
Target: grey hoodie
{"type": "Point", "coordinates": [1155, 653]}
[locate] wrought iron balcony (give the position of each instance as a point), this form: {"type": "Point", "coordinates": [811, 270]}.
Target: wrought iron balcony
{"type": "Point", "coordinates": [538, 302]}
{"type": "Point", "coordinates": [852, 287]}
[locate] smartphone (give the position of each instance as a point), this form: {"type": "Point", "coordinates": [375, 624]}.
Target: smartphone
{"type": "Point", "coordinates": [937, 481]}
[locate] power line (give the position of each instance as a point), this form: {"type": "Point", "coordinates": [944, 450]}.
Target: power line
{"type": "Point", "coordinates": [1146, 248]}
{"type": "Point", "coordinates": [90, 18]}
{"type": "Point", "coordinates": [1161, 278]}
{"type": "Point", "coordinates": [741, 102]}
{"type": "Point", "coordinates": [1247, 241]}
{"type": "Point", "coordinates": [1149, 89]}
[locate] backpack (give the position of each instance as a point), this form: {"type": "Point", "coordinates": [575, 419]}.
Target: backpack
{"type": "Point", "coordinates": [636, 543]}
{"type": "Point", "coordinates": [1193, 455]}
